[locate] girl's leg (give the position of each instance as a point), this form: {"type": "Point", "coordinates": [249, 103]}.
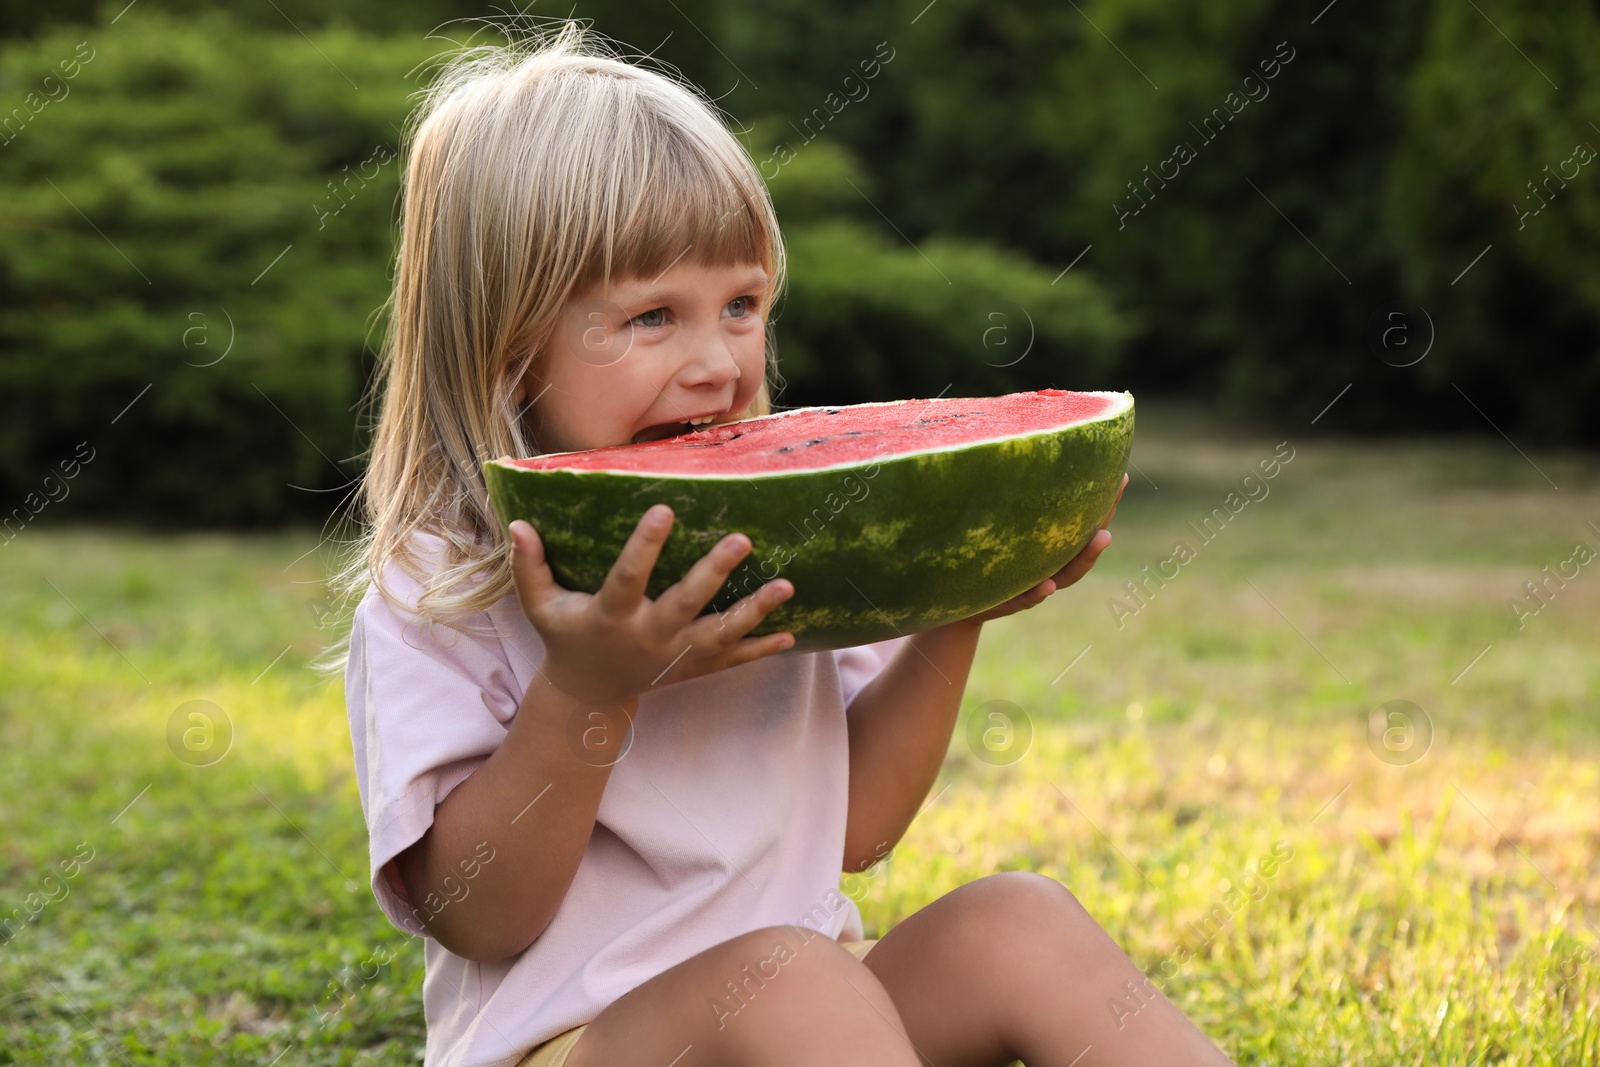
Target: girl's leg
{"type": "Point", "coordinates": [1012, 967]}
{"type": "Point", "coordinates": [783, 995]}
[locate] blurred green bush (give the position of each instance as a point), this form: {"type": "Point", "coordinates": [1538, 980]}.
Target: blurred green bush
{"type": "Point", "coordinates": [869, 316]}
{"type": "Point", "coordinates": [212, 229]}
{"type": "Point", "coordinates": [209, 240]}
{"type": "Point", "coordinates": [1375, 152]}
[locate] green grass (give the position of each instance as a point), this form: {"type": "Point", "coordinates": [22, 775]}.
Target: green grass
{"type": "Point", "coordinates": [1440, 911]}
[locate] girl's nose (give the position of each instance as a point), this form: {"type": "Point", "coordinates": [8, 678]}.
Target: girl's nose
{"type": "Point", "coordinates": [710, 362]}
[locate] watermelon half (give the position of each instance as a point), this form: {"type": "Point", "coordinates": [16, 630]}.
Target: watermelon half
{"type": "Point", "coordinates": [887, 518]}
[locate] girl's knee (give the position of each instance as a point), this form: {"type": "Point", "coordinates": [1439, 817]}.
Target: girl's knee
{"type": "Point", "coordinates": [811, 972]}
{"type": "Point", "coordinates": [778, 984]}
{"type": "Point", "coordinates": [1020, 891]}
{"type": "Point", "coordinates": [757, 998]}
{"type": "Point", "coordinates": [999, 909]}
{"type": "Point", "coordinates": [767, 954]}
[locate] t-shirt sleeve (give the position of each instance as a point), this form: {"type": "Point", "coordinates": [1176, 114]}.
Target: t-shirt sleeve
{"type": "Point", "coordinates": [428, 704]}
{"type": "Point", "coordinates": [861, 664]}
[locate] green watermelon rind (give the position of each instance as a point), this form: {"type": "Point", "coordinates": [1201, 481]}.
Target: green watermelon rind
{"type": "Point", "coordinates": [874, 550]}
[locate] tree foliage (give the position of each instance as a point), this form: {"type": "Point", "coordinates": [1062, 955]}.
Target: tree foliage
{"type": "Point", "coordinates": [1272, 207]}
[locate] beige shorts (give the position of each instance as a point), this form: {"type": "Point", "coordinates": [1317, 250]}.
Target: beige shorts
{"type": "Point", "coordinates": [553, 1053]}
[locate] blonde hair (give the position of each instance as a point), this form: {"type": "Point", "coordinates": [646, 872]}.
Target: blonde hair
{"type": "Point", "coordinates": [532, 171]}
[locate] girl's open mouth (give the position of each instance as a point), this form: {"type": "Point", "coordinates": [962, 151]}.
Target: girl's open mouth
{"type": "Point", "coordinates": [661, 432]}
{"type": "Point", "coordinates": [673, 429]}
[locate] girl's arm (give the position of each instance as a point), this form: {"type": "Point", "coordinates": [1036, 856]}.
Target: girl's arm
{"type": "Point", "coordinates": [900, 727]}
{"type": "Point", "coordinates": [532, 852]}
{"type": "Point", "coordinates": [900, 724]}
{"type": "Point", "coordinates": [601, 652]}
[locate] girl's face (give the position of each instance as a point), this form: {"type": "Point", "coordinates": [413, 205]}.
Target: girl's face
{"type": "Point", "coordinates": [638, 363]}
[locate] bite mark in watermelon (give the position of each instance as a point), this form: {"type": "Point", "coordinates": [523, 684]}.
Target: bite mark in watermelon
{"type": "Point", "coordinates": [887, 518]}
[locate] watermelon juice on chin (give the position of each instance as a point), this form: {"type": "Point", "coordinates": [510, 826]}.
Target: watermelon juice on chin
{"type": "Point", "coordinates": [887, 518]}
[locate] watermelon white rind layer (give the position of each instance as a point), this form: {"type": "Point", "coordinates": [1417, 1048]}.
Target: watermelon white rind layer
{"type": "Point", "coordinates": [889, 545]}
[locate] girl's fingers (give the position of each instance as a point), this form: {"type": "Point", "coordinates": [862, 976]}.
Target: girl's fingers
{"type": "Point", "coordinates": [724, 629]}
{"type": "Point", "coordinates": [530, 573]}
{"type": "Point", "coordinates": [683, 601]}
{"type": "Point", "coordinates": [1032, 598]}
{"type": "Point", "coordinates": [1080, 564]}
{"type": "Point", "coordinates": [751, 649]}
{"type": "Point", "coordinates": [625, 583]}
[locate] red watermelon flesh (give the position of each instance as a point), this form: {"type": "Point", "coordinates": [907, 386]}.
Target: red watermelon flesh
{"type": "Point", "coordinates": [815, 438]}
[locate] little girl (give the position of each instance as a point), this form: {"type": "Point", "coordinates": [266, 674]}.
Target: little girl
{"type": "Point", "coordinates": [619, 825]}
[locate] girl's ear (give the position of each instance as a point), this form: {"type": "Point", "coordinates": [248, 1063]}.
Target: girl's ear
{"type": "Point", "coordinates": [519, 383]}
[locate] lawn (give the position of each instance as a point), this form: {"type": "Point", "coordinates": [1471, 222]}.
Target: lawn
{"type": "Point", "coordinates": [1332, 675]}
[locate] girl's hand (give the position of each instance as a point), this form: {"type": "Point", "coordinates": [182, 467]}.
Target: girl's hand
{"type": "Point", "coordinates": [617, 643]}
{"type": "Point", "coordinates": [1076, 568]}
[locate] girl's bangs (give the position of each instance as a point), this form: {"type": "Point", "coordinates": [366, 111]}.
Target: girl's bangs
{"type": "Point", "coordinates": [689, 209]}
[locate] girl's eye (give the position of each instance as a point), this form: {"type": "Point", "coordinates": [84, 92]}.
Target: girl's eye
{"type": "Point", "coordinates": [652, 318]}
{"type": "Point", "coordinates": [741, 306]}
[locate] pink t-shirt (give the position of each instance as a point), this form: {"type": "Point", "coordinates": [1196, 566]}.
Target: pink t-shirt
{"type": "Point", "coordinates": [726, 814]}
